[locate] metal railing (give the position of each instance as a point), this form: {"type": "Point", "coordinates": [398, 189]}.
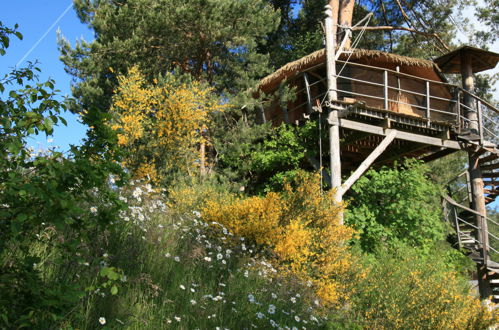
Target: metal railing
{"type": "Point", "coordinates": [432, 100]}
{"type": "Point", "coordinates": [475, 235]}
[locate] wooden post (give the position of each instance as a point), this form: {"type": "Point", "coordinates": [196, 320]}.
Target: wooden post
{"type": "Point", "coordinates": [469, 86]}
{"type": "Point", "coordinates": [478, 203]}
{"type": "Point", "coordinates": [480, 121]}
{"type": "Point", "coordinates": [334, 128]}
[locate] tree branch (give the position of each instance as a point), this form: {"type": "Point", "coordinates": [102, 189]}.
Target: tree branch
{"type": "Point", "coordinates": [402, 28]}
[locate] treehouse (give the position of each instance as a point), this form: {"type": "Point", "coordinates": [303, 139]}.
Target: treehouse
{"type": "Point", "coordinates": [378, 90]}
{"type": "Point", "coordinates": [380, 107]}
{"type": "Point", "coordinates": [373, 80]}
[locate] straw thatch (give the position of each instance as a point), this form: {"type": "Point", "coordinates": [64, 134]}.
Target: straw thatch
{"type": "Point", "coordinates": [480, 60]}
{"type": "Point", "coordinates": [370, 57]}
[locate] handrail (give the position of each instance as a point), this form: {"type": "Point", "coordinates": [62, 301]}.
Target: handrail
{"type": "Point", "coordinates": [456, 204]}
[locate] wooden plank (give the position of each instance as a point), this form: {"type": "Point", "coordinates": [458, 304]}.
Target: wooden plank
{"type": "Point", "coordinates": [489, 167]}
{"type": "Point", "coordinates": [490, 175]}
{"type": "Point", "coordinates": [309, 97]}
{"type": "Point", "coordinates": [436, 155]}
{"type": "Point", "coordinates": [488, 158]}
{"type": "Point", "coordinates": [391, 134]}
{"type": "Point", "coordinates": [363, 127]}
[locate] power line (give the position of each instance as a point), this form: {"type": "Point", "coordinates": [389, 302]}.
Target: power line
{"type": "Point", "coordinates": [44, 35]}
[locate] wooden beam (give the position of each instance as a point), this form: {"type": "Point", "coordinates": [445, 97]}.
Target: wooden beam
{"type": "Point", "coordinates": [400, 152]}
{"type": "Point", "coordinates": [429, 140]}
{"type": "Point", "coordinates": [436, 155]}
{"type": "Point", "coordinates": [391, 134]}
{"type": "Point", "coordinates": [309, 97]}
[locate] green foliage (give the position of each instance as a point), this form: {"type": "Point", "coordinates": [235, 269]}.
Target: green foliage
{"type": "Point", "coordinates": [299, 35]}
{"type": "Point", "coordinates": [489, 15]}
{"type": "Point", "coordinates": [40, 192]}
{"type": "Point", "coordinates": [447, 168]}
{"type": "Point", "coordinates": [396, 207]}
{"type": "Point", "coordinates": [266, 156]}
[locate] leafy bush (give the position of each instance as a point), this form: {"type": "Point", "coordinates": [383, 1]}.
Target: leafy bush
{"type": "Point", "coordinates": [42, 197]}
{"type": "Point", "coordinates": [404, 290]}
{"type": "Point", "coordinates": [182, 273]}
{"type": "Point", "coordinates": [396, 207]}
{"type": "Point", "coordinates": [161, 125]}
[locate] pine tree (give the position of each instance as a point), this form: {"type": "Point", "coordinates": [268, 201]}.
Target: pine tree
{"type": "Point", "coordinates": [212, 40]}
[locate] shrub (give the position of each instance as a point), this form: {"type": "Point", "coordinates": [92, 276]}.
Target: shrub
{"type": "Point", "coordinates": [300, 228]}
{"type": "Point", "coordinates": [404, 290]}
{"type": "Point", "coordinates": [161, 124]}
{"type": "Point", "coordinates": [182, 273]}
{"type": "Point", "coordinates": [396, 207]}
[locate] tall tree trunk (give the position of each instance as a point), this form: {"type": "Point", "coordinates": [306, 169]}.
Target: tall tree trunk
{"type": "Point", "coordinates": [335, 7]}
{"type": "Point", "coordinates": [345, 16]}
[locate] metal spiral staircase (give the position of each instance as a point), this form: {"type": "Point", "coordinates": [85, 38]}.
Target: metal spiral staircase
{"type": "Point", "coordinates": [476, 234]}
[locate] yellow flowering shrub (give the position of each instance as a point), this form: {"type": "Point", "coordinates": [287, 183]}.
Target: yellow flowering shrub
{"type": "Point", "coordinates": [161, 124]}
{"type": "Point", "coordinates": [300, 226]}
{"type": "Point", "coordinates": [404, 291]}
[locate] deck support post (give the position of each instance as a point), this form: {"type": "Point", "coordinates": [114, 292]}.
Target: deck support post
{"type": "Point", "coordinates": [478, 204]}
{"type": "Point", "coordinates": [332, 95]}
{"type": "Point", "coordinates": [469, 85]}
{"type": "Point", "coordinates": [476, 180]}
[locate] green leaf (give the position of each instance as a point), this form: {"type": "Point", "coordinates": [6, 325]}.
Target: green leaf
{"type": "Point", "coordinates": [48, 124]}
{"type": "Point", "coordinates": [114, 290]}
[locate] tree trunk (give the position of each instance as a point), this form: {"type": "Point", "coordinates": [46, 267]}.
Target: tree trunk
{"type": "Point", "coordinates": [345, 16]}
{"type": "Point", "coordinates": [335, 8]}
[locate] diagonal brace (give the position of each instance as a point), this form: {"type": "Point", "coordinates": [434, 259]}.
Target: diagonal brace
{"type": "Point", "coordinates": [390, 136]}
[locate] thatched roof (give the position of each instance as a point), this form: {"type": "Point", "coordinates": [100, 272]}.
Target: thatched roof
{"type": "Point", "coordinates": [426, 69]}
{"type": "Point", "coordinates": [480, 59]}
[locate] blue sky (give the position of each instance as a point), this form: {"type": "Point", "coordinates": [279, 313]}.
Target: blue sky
{"type": "Point", "coordinates": [34, 19]}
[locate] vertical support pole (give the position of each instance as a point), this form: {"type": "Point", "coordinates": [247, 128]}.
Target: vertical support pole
{"type": "Point", "coordinates": [456, 223]}
{"type": "Point", "coordinates": [478, 202]}
{"type": "Point", "coordinates": [334, 128]}
{"type": "Point", "coordinates": [469, 86]}
{"type": "Point", "coordinates": [460, 122]}
{"type": "Point", "coordinates": [385, 88]}
{"type": "Point", "coordinates": [468, 184]}
{"type": "Point", "coordinates": [428, 108]}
